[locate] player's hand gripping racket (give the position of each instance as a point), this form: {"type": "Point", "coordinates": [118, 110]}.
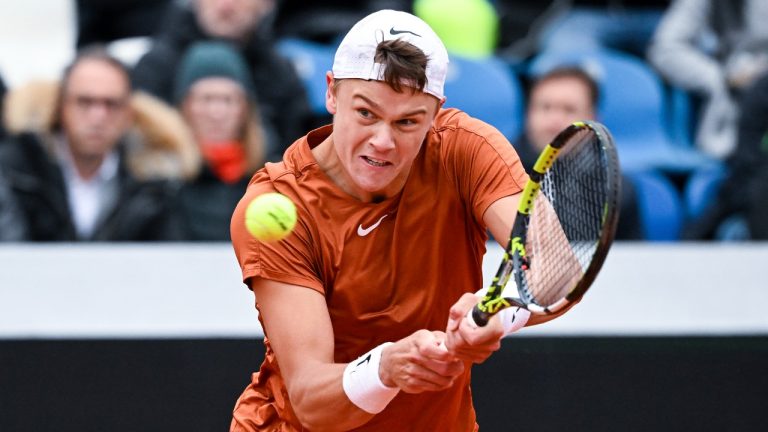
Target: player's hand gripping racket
{"type": "Point", "coordinates": [564, 226]}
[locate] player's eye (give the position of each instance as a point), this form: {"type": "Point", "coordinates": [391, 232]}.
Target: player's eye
{"type": "Point", "coordinates": [364, 113]}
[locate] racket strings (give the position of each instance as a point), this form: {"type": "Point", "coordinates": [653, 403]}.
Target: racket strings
{"type": "Point", "coordinates": [566, 221]}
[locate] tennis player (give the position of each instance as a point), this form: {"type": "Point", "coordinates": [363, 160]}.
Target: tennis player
{"type": "Point", "coordinates": [394, 200]}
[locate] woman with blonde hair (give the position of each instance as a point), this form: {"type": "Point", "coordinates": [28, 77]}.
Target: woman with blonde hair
{"type": "Point", "coordinates": [214, 92]}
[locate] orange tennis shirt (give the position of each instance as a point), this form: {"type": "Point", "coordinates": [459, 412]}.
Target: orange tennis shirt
{"type": "Point", "coordinates": [386, 269]}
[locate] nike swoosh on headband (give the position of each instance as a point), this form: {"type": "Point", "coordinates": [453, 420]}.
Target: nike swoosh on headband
{"type": "Point", "coordinates": [394, 32]}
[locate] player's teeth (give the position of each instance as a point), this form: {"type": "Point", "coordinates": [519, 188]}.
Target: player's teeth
{"type": "Point", "coordinates": [374, 162]}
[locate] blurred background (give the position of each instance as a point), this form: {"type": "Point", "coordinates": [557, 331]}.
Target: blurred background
{"type": "Point", "coordinates": [130, 129]}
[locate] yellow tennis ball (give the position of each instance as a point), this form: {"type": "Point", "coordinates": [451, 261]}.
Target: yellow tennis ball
{"type": "Point", "coordinates": [270, 217]}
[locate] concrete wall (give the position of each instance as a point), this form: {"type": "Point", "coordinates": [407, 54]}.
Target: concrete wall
{"type": "Point", "coordinates": [190, 290]}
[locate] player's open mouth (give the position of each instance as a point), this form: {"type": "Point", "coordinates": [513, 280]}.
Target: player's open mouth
{"type": "Point", "coordinates": [374, 162]}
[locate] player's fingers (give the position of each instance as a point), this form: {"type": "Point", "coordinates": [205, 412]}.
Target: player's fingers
{"type": "Point", "coordinates": [490, 334]}
{"type": "Point", "coordinates": [436, 349]}
{"type": "Point", "coordinates": [417, 378]}
{"type": "Point", "coordinates": [476, 354]}
{"type": "Point", "coordinates": [475, 344]}
{"type": "Point", "coordinates": [418, 363]}
{"type": "Point", "coordinates": [462, 306]}
{"type": "Point", "coordinates": [459, 310]}
{"type": "Point", "coordinates": [451, 368]}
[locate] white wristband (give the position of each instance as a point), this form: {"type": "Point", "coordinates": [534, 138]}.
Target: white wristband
{"type": "Point", "coordinates": [363, 385]}
{"type": "Point", "coordinates": [513, 319]}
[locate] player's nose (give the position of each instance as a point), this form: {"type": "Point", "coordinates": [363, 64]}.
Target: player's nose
{"type": "Point", "coordinates": [383, 139]}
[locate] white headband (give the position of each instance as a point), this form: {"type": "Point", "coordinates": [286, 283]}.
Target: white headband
{"type": "Point", "coordinates": [355, 55]}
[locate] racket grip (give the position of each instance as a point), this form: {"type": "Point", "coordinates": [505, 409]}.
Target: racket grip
{"type": "Point", "coordinates": [477, 317]}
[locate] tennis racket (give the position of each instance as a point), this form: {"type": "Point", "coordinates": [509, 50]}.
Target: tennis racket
{"type": "Point", "coordinates": [564, 227]}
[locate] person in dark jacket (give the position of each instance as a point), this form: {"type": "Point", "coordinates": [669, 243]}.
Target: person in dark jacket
{"type": "Point", "coordinates": [12, 226]}
{"type": "Point", "coordinates": [739, 210]}
{"type": "Point", "coordinates": [245, 24]}
{"type": "Point", "coordinates": [3, 91]}
{"type": "Point", "coordinates": [91, 161]}
{"type": "Point", "coordinates": [100, 22]}
{"type": "Point", "coordinates": [218, 102]}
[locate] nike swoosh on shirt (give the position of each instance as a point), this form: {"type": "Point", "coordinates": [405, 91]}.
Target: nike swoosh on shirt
{"type": "Point", "coordinates": [362, 232]}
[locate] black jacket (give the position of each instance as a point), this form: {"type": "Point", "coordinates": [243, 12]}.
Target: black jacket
{"type": "Point", "coordinates": [281, 96]}
{"type": "Point", "coordinates": [744, 191]}
{"type": "Point", "coordinates": [205, 206]}
{"type": "Point", "coordinates": [12, 226]}
{"type": "Point", "coordinates": [142, 211]}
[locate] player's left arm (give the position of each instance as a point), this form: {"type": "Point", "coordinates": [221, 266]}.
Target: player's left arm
{"type": "Point", "coordinates": [477, 343]}
{"type": "Point", "coordinates": [466, 341]}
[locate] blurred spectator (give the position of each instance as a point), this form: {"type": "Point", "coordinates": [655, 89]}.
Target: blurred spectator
{"type": "Point", "coordinates": [740, 209]}
{"type": "Point", "coordinates": [3, 90]}
{"type": "Point", "coordinates": [467, 27]}
{"type": "Point", "coordinates": [89, 161]}
{"type": "Point", "coordinates": [217, 99]}
{"type": "Point", "coordinates": [557, 99]}
{"type": "Point", "coordinates": [625, 25]}
{"type": "Point", "coordinates": [327, 21]}
{"type": "Point", "coordinates": [11, 222]}
{"type": "Point", "coordinates": [244, 23]}
{"type": "Point", "coordinates": [100, 21]}
{"type": "Point", "coordinates": [713, 49]}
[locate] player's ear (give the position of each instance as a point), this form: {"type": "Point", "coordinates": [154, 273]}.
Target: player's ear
{"type": "Point", "coordinates": [440, 103]}
{"type": "Point", "coordinates": [330, 93]}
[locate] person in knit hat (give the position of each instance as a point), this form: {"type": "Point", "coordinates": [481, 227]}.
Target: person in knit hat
{"type": "Point", "coordinates": [216, 97]}
{"type": "Point", "coordinates": [246, 24]}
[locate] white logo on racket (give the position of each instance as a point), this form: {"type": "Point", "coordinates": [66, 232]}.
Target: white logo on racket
{"type": "Point", "coordinates": [362, 232]}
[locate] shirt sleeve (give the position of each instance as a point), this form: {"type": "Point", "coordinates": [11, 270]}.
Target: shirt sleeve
{"type": "Point", "coordinates": [290, 260]}
{"type": "Point", "coordinates": [481, 161]}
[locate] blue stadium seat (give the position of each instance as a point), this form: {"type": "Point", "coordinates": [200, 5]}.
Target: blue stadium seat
{"type": "Point", "coordinates": [311, 60]}
{"type": "Point", "coordinates": [680, 116]}
{"type": "Point", "coordinates": [659, 205]}
{"type": "Point", "coordinates": [701, 190]}
{"type": "Point", "coordinates": [632, 106]}
{"type": "Point", "coordinates": [486, 89]}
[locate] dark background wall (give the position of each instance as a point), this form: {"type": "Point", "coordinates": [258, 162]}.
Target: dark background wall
{"type": "Point", "coordinates": [534, 383]}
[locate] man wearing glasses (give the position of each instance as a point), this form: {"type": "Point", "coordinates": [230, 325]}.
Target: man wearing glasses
{"type": "Point", "coordinates": [103, 164]}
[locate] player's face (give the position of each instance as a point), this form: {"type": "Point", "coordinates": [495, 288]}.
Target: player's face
{"type": "Point", "coordinates": [377, 134]}
{"type": "Point", "coordinates": [95, 112]}
{"type": "Point", "coordinates": [215, 109]}
{"type": "Point", "coordinates": [554, 104]}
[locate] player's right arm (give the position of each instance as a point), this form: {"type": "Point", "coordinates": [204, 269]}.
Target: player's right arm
{"type": "Point", "coordinates": [298, 324]}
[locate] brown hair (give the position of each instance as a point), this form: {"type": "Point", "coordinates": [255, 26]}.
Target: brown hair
{"type": "Point", "coordinates": [96, 53]}
{"type": "Point", "coordinates": [575, 73]}
{"type": "Point", "coordinates": [404, 65]}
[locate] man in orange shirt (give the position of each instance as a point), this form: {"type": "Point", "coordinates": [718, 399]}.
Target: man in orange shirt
{"type": "Point", "coordinates": [394, 200]}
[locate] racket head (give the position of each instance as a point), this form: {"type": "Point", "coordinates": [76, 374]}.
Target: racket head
{"type": "Point", "coordinates": [564, 227]}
